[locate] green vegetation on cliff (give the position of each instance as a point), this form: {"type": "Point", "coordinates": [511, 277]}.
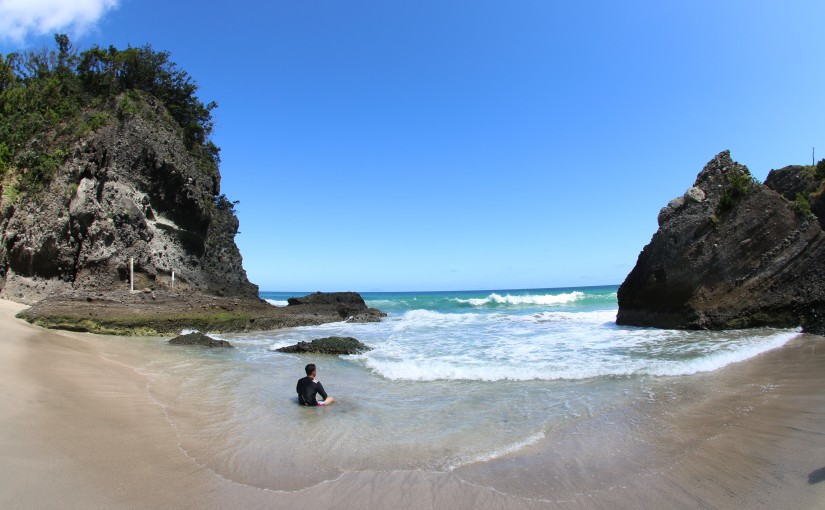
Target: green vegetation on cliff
{"type": "Point", "coordinates": [50, 98]}
{"type": "Point", "coordinates": [739, 185]}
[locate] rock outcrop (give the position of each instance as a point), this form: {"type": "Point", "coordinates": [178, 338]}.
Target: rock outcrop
{"type": "Point", "coordinates": [328, 345]}
{"type": "Point", "coordinates": [130, 189]}
{"type": "Point", "coordinates": [350, 306]}
{"type": "Point", "coordinates": [795, 181]}
{"type": "Point", "coordinates": [731, 253]}
{"type": "Point", "coordinates": [199, 339]}
{"type": "Point", "coordinates": [165, 312]}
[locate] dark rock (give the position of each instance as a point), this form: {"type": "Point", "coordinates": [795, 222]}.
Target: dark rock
{"type": "Point", "coordinates": [329, 345]}
{"type": "Point", "coordinates": [736, 259]}
{"type": "Point", "coordinates": [348, 305]}
{"type": "Point", "coordinates": [351, 300]}
{"type": "Point", "coordinates": [365, 316]}
{"type": "Point", "coordinates": [818, 208]}
{"type": "Point", "coordinates": [199, 339]}
{"type": "Point", "coordinates": [792, 180]}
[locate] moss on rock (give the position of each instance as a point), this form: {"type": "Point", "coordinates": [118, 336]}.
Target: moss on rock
{"type": "Point", "coordinates": [328, 345]}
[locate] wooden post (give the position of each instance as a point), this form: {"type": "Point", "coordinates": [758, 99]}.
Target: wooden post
{"type": "Point", "coordinates": [132, 274]}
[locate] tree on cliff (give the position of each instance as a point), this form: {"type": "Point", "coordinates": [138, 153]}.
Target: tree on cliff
{"type": "Point", "coordinates": [50, 92]}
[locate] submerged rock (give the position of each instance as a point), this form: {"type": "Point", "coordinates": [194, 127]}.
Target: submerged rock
{"type": "Point", "coordinates": [199, 339]}
{"type": "Point", "coordinates": [730, 253]}
{"type": "Point", "coordinates": [328, 345]}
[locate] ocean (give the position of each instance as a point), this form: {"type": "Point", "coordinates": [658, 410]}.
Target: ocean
{"type": "Point", "coordinates": [453, 378]}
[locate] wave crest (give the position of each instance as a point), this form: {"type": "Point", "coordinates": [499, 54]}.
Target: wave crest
{"type": "Point", "coordinates": [529, 299]}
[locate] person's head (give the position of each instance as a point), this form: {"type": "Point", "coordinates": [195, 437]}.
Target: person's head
{"type": "Point", "coordinates": [310, 369]}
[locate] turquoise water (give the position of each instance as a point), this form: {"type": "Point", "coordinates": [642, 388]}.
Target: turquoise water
{"type": "Point", "coordinates": [534, 334]}
{"type": "Point", "coordinates": [452, 378]}
{"type": "Point", "coordinates": [519, 300]}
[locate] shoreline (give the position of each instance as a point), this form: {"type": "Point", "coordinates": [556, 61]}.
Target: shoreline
{"type": "Point", "coordinates": [749, 435]}
{"type": "Point", "coordinates": [79, 429]}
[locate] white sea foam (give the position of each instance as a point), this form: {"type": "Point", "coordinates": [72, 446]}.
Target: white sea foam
{"type": "Point", "coordinates": [275, 302]}
{"type": "Point", "coordinates": [596, 317]}
{"type": "Point", "coordinates": [278, 345]}
{"type": "Point", "coordinates": [535, 438]}
{"type": "Point", "coordinates": [721, 359]}
{"type": "Point", "coordinates": [531, 343]}
{"type": "Point", "coordinates": [427, 318]}
{"type": "Point", "coordinates": [530, 299]}
{"type": "Point", "coordinates": [589, 354]}
{"type": "Point", "coordinates": [190, 331]}
{"type": "Point", "coordinates": [434, 370]}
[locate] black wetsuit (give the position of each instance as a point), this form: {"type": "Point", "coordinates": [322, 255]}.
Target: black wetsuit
{"type": "Point", "coordinates": [307, 389]}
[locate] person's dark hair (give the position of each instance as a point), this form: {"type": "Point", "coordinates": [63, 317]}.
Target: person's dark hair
{"type": "Point", "coordinates": [310, 368]}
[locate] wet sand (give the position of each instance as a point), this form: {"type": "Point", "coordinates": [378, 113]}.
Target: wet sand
{"type": "Point", "coordinates": [78, 429]}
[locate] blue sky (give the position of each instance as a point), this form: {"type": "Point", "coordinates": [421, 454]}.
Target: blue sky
{"type": "Point", "coordinates": [438, 145]}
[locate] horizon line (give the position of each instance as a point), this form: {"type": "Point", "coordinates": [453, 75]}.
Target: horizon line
{"type": "Point", "coordinates": [439, 291]}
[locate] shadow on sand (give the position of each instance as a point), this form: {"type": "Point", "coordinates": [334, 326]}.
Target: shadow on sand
{"type": "Point", "coordinates": [816, 476]}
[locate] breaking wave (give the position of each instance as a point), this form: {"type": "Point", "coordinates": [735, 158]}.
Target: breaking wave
{"type": "Point", "coordinates": [530, 299]}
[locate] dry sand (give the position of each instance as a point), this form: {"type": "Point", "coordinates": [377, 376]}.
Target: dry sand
{"type": "Point", "coordinates": [78, 429]}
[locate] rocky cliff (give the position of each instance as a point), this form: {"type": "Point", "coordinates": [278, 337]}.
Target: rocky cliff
{"type": "Point", "coordinates": [107, 166]}
{"type": "Point", "coordinates": [129, 189]}
{"type": "Point", "coordinates": [733, 253]}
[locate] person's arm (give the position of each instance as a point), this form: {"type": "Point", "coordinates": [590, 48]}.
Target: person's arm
{"type": "Point", "coordinates": [321, 391]}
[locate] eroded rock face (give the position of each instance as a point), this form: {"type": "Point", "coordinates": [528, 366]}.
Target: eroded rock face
{"type": "Point", "coordinates": [131, 189]}
{"type": "Point", "coordinates": [730, 260]}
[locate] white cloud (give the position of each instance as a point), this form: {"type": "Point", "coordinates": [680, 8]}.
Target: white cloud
{"type": "Point", "coordinates": [21, 18]}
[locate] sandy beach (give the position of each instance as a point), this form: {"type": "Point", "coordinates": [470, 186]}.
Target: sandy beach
{"type": "Point", "coordinates": [78, 429]}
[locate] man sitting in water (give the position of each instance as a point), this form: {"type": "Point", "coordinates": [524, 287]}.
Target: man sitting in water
{"type": "Point", "coordinates": [308, 387]}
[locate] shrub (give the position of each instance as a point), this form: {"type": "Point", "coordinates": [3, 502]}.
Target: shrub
{"type": "Point", "coordinates": [5, 158]}
{"type": "Point", "coordinates": [12, 193]}
{"type": "Point", "coordinates": [95, 121]}
{"type": "Point", "coordinates": [38, 168]}
{"type": "Point", "coordinates": [46, 92]}
{"type": "Point", "coordinates": [802, 204]}
{"type": "Point", "coordinates": [222, 203]}
{"type": "Point", "coordinates": [739, 185]}
{"type": "Point", "coordinates": [819, 173]}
